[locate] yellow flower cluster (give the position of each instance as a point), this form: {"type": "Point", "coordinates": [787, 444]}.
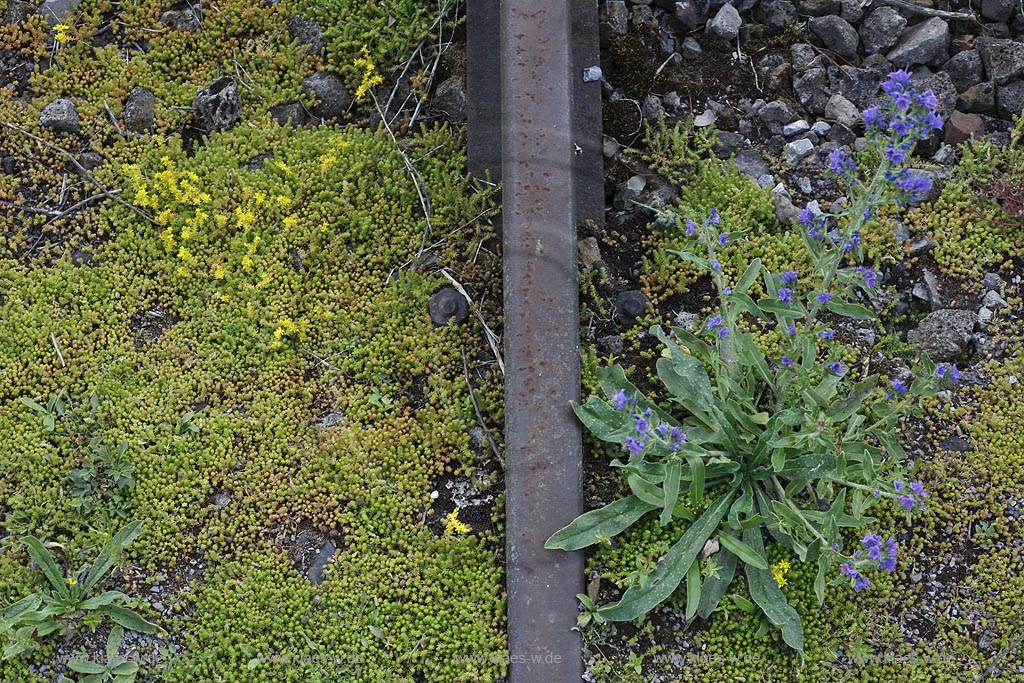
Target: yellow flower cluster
{"type": "Point", "coordinates": [60, 33]}
{"type": "Point", "coordinates": [166, 195]}
{"type": "Point", "coordinates": [244, 218]}
{"type": "Point", "coordinates": [286, 327]}
{"type": "Point", "coordinates": [779, 570]}
{"type": "Point", "coordinates": [370, 79]}
{"type": "Point", "coordinates": [453, 526]}
{"type": "Point", "coordinates": [250, 251]}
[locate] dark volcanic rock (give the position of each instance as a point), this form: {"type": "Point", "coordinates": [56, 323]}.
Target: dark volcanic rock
{"type": "Point", "coordinates": [836, 34]}
{"type": "Point", "coordinates": [925, 43]}
{"type": "Point", "coordinates": [1003, 59]}
{"type": "Point", "coordinates": [60, 115]}
{"type": "Point", "coordinates": [332, 98]}
{"type": "Point", "coordinates": [978, 99]}
{"type": "Point", "coordinates": [139, 110]}
{"type": "Point", "coordinates": [307, 33]}
{"type": "Point", "coordinates": [964, 69]}
{"type": "Point", "coordinates": [812, 89]}
{"type": "Point", "coordinates": [881, 29]}
{"type": "Point", "coordinates": [1010, 99]}
{"type": "Point", "coordinates": [219, 104]}
{"type": "Point", "coordinates": [944, 334]}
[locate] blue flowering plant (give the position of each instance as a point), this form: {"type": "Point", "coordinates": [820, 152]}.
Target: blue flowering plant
{"type": "Point", "coordinates": [791, 445]}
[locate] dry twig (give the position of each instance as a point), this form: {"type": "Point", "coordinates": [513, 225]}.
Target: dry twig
{"type": "Point", "coordinates": [929, 12]}
{"type": "Point", "coordinates": [476, 409]}
{"type": "Point", "coordinates": [84, 171]}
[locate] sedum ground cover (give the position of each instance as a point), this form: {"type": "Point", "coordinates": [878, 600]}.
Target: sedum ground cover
{"type": "Point", "coordinates": [254, 328]}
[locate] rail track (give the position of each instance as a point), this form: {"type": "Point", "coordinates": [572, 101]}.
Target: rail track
{"type": "Point", "coordinates": [534, 124]}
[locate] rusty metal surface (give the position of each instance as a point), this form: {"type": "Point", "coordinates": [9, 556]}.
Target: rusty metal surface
{"type": "Point", "coordinates": [541, 335]}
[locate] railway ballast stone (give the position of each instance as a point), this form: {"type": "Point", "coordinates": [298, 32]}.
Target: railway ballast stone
{"type": "Point", "coordinates": [614, 20]}
{"type": "Point", "coordinates": [836, 33]}
{"type": "Point", "coordinates": [841, 110]}
{"type": "Point", "coordinates": [882, 28]}
{"type": "Point", "coordinates": [726, 24]}
{"type": "Point", "coordinates": [978, 99]}
{"type": "Point", "coordinates": [139, 110]}
{"type": "Point", "coordinates": [965, 69]}
{"type": "Point", "coordinates": [1010, 99]}
{"type": "Point", "coordinates": [187, 19]}
{"type": "Point", "coordinates": [61, 116]}
{"type": "Point", "coordinates": [450, 98]}
{"type": "Point", "coordinates": [16, 11]}
{"type": "Point", "coordinates": [944, 334]}
{"type": "Point", "coordinates": [925, 43]}
{"type": "Point", "coordinates": [307, 33]}
{"type": "Point", "coordinates": [812, 89]}
{"type": "Point", "coordinates": [332, 98]}
{"type": "Point", "coordinates": [219, 104]}
{"type": "Point", "coordinates": [691, 13]}
{"type": "Point", "coordinates": [1003, 59]}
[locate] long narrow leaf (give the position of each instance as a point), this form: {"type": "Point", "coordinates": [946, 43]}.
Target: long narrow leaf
{"type": "Point", "coordinates": [742, 550]}
{"type": "Point", "coordinates": [670, 573]}
{"type": "Point", "coordinates": [102, 600]}
{"type": "Point", "coordinates": [673, 471]}
{"type": "Point", "coordinates": [696, 480]}
{"type": "Point", "coordinates": [692, 590]}
{"type": "Point", "coordinates": [770, 598]}
{"type": "Point", "coordinates": [128, 618]}
{"type": "Point", "coordinates": [855, 311]}
{"type": "Point", "coordinates": [715, 586]}
{"type": "Point", "coordinates": [26, 604]}
{"type": "Point", "coordinates": [748, 277]}
{"type": "Point", "coordinates": [42, 557]}
{"type": "Point", "coordinates": [589, 528]}
{"type": "Point", "coordinates": [107, 557]}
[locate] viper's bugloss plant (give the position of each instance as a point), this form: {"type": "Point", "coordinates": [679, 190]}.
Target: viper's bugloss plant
{"type": "Point", "coordinates": [795, 444]}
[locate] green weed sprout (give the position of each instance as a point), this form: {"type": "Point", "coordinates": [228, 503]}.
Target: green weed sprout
{"type": "Point", "coordinates": [797, 445]}
{"type": "Point", "coordinates": [116, 670]}
{"type": "Point", "coordinates": [68, 601]}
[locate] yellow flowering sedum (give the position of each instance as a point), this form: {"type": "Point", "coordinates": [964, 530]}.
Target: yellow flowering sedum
{"type": "Point", "coordinates": [60, 33]}
{"type": "Point", "coordinates": [779, 570]}
{"type": "Point", "coordinates": [370, 79]}
{"type": "Point", "coordinates": [453, 526]}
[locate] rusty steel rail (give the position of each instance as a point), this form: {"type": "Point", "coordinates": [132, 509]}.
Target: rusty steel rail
{"type": "Point", "coordinates": [544, 145]}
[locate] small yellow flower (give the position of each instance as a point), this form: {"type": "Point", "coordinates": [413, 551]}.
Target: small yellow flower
{"type": "Point", "coordinates": [283, 201]}
{"type": "Point", "coordinates": [221, 220]}
{"type": "Point", "coordinates": [168, 239]}
{"type": "Point", "coordinates": [184, 272]}
{"type": "Point", "coordinates": [60, 33]}
{"type": "Point", "coordinates": [246, 263]}
{"type": "Point", "coordinates": [71, 579]}
{"type": "Point", "coordinates": [283, 166]}
{"type": "Point", "coordinates": [453, 525]}
{"type": "Point", "coordinates": [369, 78]}
{"type": "Point", "coordinates": [291, 222]}
{"type": "Point", "coordinates": [779, 570]}
{"type": "Point", "coordinates": [218, 272]}
{"type": "Point", "coordinates": [244, 218]}
{"type": "Point", "coordinates": [260, 197]}
{"type": "Point", "coordinates": [184, 254]}
{"type": "Point", "coordinates": [225, 298]}
{"type": "Point", "coordinates": [326, 160]}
